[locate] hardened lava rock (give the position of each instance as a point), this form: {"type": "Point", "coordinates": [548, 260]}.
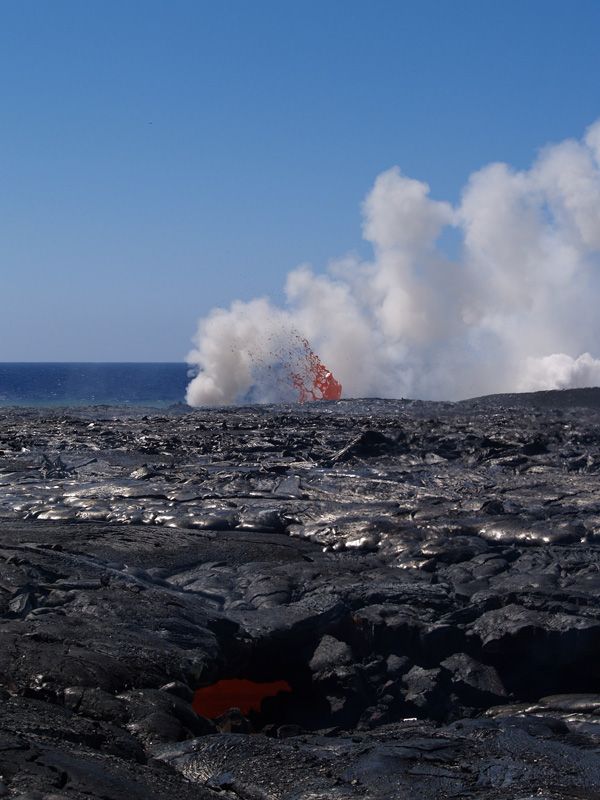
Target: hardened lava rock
{"type": "Point", "coordinates": [380, 599]}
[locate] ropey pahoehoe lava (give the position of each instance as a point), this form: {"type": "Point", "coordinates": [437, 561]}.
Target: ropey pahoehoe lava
{"type": "Point", "coordinates": [365, 599]}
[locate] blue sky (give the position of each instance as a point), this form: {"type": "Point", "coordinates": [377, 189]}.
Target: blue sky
{"type": "Point", "coordinates": [161, 158]}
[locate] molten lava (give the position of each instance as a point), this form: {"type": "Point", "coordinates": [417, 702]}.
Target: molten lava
{"type": "Point", "coordinates": [312, 379]}
{"type": "Point", "coordinates": [291, 364]}
{"type": "Point", "coordinates": [212, 701]}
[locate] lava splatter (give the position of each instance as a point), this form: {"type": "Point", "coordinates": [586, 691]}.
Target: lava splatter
{"type": "Point", "coordinates": [290, 371]}
{"type": "Point", "coordinates": [314, 381]}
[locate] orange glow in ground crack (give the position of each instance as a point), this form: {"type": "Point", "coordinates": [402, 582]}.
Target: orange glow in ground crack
{"type": "Point", "coordinates": [212, 701]}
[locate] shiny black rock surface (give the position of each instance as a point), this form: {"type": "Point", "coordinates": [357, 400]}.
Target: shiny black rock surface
{"type": "Point", "coordinates": [424, 576]}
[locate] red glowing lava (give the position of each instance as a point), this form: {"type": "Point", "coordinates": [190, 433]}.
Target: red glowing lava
{"type": "Point", "coordinates": [288, 366]}
{"type": "Point", "coordinates": [312, 379]}
{"type": "Point", "coordinates": [212, 701]}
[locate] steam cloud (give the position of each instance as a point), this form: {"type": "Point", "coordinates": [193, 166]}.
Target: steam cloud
{"type": "Point", "coordinates": [517, 312]}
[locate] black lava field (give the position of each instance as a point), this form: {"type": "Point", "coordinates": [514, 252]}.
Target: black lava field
{"type": "Point", "coordinates": [357, 599]}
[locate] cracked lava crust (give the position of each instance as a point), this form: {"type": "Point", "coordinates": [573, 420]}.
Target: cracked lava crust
{"type": "Point", "coordinates": [356, 599]}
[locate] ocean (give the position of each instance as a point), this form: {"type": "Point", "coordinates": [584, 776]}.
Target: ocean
{"type": "Point", "coordinates": [71, 384]}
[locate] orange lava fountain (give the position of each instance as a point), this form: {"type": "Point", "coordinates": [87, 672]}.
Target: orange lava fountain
{"type": "Point", "coordinates": [292, 363]}
{"type": "Point", "coordinates": [313, 380]}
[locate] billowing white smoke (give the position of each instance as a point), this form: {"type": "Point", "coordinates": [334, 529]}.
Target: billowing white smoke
{"type": "Point", "coordinates": [560, 371]}
{"type": "Point", "coordinates": [517, 311]}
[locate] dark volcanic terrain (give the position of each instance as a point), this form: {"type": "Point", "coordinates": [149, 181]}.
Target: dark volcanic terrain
{"type": "Point", "coordinates": [422, 578]}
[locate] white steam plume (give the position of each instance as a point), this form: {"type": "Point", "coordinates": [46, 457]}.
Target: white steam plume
{"type": "Point", "coordinates": [516, 312]}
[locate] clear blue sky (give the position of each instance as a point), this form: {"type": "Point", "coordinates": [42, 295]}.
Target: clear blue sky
{"type": "Point", "coordinates": [160, 158]}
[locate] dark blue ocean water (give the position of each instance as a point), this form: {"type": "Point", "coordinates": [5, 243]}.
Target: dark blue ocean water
{"type": "Point", "coordinates": [92, 384]}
